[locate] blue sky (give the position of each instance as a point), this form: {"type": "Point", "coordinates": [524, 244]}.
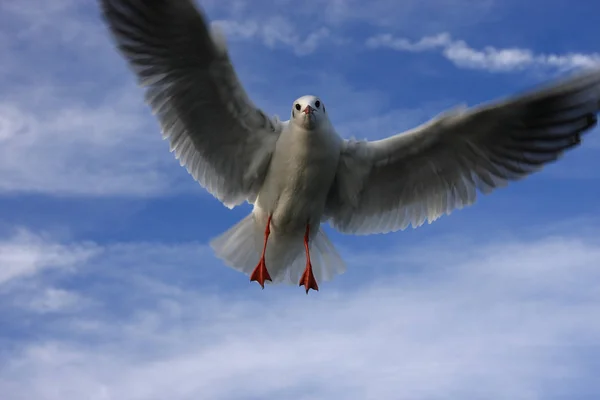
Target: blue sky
{"type": "Point", "coordinates": [108, 289]}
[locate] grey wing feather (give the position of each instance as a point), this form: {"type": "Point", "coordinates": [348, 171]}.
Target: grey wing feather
{"type": "Point", "coordinates": [216, 132]}
{"type": "Point", "coordinates": [420, 175]}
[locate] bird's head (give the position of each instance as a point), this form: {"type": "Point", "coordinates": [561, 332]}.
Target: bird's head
{"type": "Point", "coordinates": [309, 112]}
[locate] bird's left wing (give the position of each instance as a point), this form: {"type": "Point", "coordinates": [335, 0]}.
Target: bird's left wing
{"type": "Point", "coordinates": [418, 176]}
{"type": "Point", "coordinates": [214, 129]}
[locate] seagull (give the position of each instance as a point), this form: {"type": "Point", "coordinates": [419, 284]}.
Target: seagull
{"type": "Point", "coordinates": [300, 173]}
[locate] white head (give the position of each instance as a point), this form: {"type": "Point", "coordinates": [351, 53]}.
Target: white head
{"type": "Point", "coordinates": [309, 112]}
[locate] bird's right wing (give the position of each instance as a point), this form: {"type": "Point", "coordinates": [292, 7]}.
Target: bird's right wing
{"type": "Point", "coordinates": [216, 132]}
{"type": "Point", "coordinates": [420, 175]}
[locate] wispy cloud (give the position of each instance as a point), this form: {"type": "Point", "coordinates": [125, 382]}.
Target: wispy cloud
{"type": "Point", "coordinates": [414, 15]}
{"type": "Point", "coordinates": [57, 28]}
{"type": "Point", "coordinates": [489, 58]}
{"type": "Point", "coordinates": [26, 255]}
{"type": "Point", "coordinates": [276, 32]}
{"type": "Point", "coordinates": [384, 124]}
{"type": "Point", "coordinates": [70, 147]}
{"type": "Point", "coordinates": [496, 313]}
{"type": "Point", "coordinates": [68, 132]}
{"type": "Point", "coordinates": [51, 300]}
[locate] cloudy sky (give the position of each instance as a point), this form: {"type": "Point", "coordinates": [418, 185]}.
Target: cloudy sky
{"type": "Point", "coordinates": [108, 289]}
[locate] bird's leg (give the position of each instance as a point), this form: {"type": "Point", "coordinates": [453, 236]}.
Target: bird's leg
{"type": "Point", "coordinates": [260, 273]}
{"type": "Point", "coordinates": [308, 279]}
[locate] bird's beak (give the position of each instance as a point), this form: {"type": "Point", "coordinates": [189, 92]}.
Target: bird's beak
{"type": "Point", "coordinates": [308, 110]}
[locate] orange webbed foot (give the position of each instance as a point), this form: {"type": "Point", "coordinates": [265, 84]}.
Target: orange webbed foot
{"type": "Point", "coordinates": [308, 279]}
{"type": "Point", "coordinates": [260, 273]}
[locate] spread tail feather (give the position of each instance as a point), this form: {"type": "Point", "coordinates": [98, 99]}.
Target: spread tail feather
{"type": "Point", "coordinates": [240, 248]}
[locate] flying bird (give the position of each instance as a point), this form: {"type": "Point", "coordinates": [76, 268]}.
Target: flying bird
{"type": "Point", "coordinates": [299, 173]}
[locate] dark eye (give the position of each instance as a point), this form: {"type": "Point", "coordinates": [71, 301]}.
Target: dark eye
{"type": "Point", "coordinates": [317, 103]}
{"type": "Point", "coordinates": [298, 107]}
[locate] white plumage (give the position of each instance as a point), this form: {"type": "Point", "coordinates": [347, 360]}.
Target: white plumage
{"type": "Point", "coordinates": [301, 172]}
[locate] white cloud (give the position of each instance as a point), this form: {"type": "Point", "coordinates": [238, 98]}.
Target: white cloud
{"type": "Point", "coordinates": [56, 22]}
{"type": "Point", "coordinates": [53, 300]}
{"type": "Point", "coordinates": [26, 255]}
{"type": "Point", "coordinates": [385, 124]}
{"type": "Point", "coordinates": [276, 32]}
{"type": "Point", "coordinates": [495, 320]}
{"type": "Point", "coordinates": [68, 132]}
{"type": "Point", "coordinates": [489, 58]}
{"type": "Point", "coordinates": [76, 147]}
{"type": "Point", "coordinates": [413, 15]}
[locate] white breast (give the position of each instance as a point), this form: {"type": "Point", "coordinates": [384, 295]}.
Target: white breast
{"type": "Point", "coordinates": [300, 174]}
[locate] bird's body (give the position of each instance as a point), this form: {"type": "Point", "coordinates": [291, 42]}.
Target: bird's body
{"type": "Point", "coordinates": [300, 173]}
{"type": "Point", "coordinates": [293, 195]}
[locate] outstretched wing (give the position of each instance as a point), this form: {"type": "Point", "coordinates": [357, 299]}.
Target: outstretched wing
{"type": "Point", "coordinates": [223, 140]}
{"type": "Point", "coordinates": [386, 185]}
